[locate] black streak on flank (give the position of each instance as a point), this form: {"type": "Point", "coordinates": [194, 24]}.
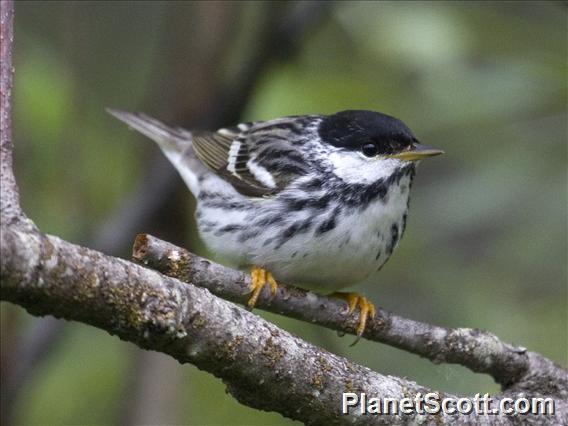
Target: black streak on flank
{"type": "Point", "coordinates": [317, 203]}
{"type": "Point", "coordinates": [269, 220]}
{"type": "Point", "coordinates": [248, 235]}
{"type": "Point", "coordinates": [293, 230]}
{"type": "Point", "coordinates": [312, 185]}
{"type": "Point", "coordinates": [326, 226]}
{"type": "Point", "coordinates": [404, 218]}
{"type": "Point", "coordinates": [204, 195]}
{"type": "Point", "coordinates": [329, 223]}
{"type": "Point", "coordinates": [226, 205]}
{"type": "Point", "coordinates": [394, 238]}
{"type": "Point", "coordinates": [321, 202]}
{"type": "Point", "coordinates": [229, 229]}
{"type": "Point", "coordinates": [296, 204]}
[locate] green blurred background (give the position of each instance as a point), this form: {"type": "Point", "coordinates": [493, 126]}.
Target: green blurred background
{"type": "Point", "coordinates": [486, 243]}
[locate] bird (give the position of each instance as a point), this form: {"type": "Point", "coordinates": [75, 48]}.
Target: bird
{"type": "Point", "coordinates": [317, 201]}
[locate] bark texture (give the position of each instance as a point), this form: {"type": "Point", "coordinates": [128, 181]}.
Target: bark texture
{"type": "Point", "coordinates": [478, 350]}
{"type": "Point", "coordinates": [263, 366]}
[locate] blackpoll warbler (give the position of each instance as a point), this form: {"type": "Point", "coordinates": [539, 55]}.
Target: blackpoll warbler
{"type": "Point", "coordinates": [312, 200]}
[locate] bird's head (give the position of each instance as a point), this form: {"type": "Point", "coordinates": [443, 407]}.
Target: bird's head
{"type": "Point", "coordinates": [365, 146]}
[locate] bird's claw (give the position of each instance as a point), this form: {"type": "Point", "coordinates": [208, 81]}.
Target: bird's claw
{"type": "Point", "coordinates": [260, 277]}
{"type": "Point", "coordinates": [366, 310]}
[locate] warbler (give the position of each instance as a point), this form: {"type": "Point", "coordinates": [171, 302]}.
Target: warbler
{"type": "Point", "coordinates": [318, 201]}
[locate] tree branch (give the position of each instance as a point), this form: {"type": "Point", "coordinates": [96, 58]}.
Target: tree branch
{"type": "Point", "coordinates": [480, 351]}
{"type": "Point", "coordinates": [9, 197]}
{"type": "Point", "coordinates": [263, 367]}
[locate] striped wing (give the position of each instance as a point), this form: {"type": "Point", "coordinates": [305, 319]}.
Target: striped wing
{"type": "Point", "coordinates": [256, 158]}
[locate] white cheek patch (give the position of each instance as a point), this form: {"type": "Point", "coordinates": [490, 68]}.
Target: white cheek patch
{"type": "Point", "coordinates": [352, 167]}
{"type": "Point", "coordinates": [261, 174]}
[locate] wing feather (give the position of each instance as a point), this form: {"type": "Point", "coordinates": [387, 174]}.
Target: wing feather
{"type": "Point", "coordinates": [254, 157]}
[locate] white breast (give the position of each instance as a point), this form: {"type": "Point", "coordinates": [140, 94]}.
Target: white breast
{"type": "Point", "coordinates": [356, 247]}
{"type": "Point", "coordinates": [347, 255]}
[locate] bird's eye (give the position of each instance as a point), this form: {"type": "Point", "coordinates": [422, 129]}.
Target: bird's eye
{"type": "Point", "coordinates": [370, 149]}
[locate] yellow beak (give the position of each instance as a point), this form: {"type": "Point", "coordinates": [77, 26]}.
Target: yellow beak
{"type": "Point", "coordinates": [417, 152]}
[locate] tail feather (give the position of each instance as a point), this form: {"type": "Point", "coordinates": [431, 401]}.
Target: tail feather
{"type": "Point", "coordinates": [167, 137]}
{"type": "Point", "coordinates": [176, 143]}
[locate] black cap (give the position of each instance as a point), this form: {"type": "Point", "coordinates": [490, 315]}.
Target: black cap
{"type": "Point", "coordinates": [353, 129]}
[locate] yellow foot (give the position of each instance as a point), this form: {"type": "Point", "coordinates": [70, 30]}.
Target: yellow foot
{"type": "Point", "coordinates": [260, 277]}
{"type": "Point", "coordinates": [367, 309]}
